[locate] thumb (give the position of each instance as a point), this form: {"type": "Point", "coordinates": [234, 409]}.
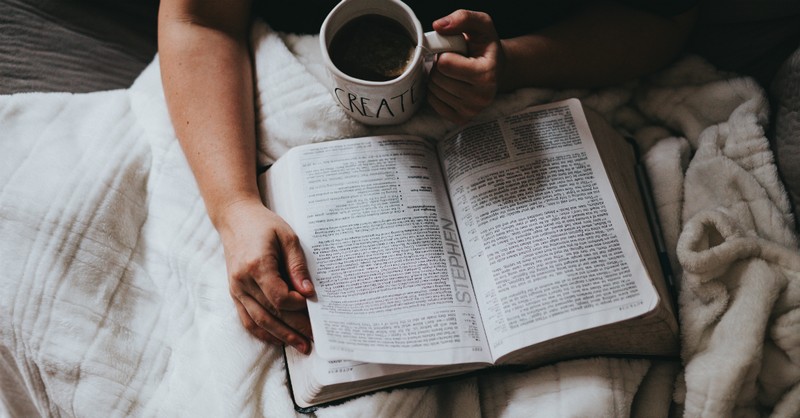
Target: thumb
{"type": "Point", "coordinates": [295, 261]}
{"type": "Point", "coordinates": [478, 26]}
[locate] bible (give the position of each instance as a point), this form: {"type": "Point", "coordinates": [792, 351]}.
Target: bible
{"type": "Point", "coordinates": [515, 242]}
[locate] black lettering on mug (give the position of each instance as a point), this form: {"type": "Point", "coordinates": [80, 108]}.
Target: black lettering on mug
{"type": "Point", "coordinates": [350, 103]}
{"type": "Point", "coordinates": [387, 108]}
{"type": "Point", "coordinates": [363, 110]}
{"type": "Point", "coordinates": [384, 104]}
{"type": "Point", "coordinates": [401, 98]}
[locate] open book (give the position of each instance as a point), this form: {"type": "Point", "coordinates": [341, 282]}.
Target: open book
{"type": "Point", "coordinates": [518, 241]}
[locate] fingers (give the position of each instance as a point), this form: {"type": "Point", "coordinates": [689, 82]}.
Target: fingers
{"type": "Point", "coordinates": [447, 107]}
{"type": "Point", "coordinates": [268, 282]}
{"type": "Point", "coordinates": [459, 94]}
{"type": "Point", "coordinates": [460, 87]}
{"type": "Point", "coordinates": [267, 273]}
{"type": "Point", "coordinates": [269, 327]}
{"type": "Point", "coordinates": [263, 290]}
{"type": "Point", "coordinates": [478, 26]}
{"type": "Point", "coordinates": [252, 327]}
{"type": "Point", "coordinates": [283, 295]}
{"type": "Point", "coordinates": [470, 70]}
{"type": "Point", "coordinates": [259, 314]}
{"type": "Point", "coordinates": [461, 98]}
{"type": "Point", "coordinates": [269, 309]}
{"type": "Point", "coordinates": [295, 261]}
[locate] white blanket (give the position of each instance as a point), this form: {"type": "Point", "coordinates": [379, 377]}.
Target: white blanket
{"type": "Point", "coordinates": [113, 290]}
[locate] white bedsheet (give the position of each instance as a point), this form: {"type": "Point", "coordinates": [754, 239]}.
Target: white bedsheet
{"type": "Point", "coordinates": [113, 291]}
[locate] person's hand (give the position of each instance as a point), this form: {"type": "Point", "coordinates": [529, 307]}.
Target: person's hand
{"type": "Point", "coordinates": [268, 276]}
{"type": "Point", "coordinates": [460, 86]}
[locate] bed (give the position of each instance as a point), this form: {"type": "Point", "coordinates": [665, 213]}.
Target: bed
{"type": "Point", "coordinates": [113, 298]}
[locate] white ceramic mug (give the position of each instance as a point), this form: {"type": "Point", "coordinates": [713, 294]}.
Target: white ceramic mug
{"type": "Point", "coordinates": [383, 102]}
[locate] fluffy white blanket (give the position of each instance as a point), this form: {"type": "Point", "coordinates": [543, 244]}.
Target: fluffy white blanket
{"type": "Point", "coordinates": [113, 290]}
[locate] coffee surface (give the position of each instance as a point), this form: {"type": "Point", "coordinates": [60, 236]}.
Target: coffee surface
{"type": "Point", "coordinates": [372, 47]}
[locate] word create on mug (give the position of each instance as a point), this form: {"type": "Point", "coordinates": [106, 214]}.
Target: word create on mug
{"type": "Point", "coordinates": [390, 105]}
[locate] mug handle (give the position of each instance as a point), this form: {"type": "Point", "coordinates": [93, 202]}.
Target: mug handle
{"type": "Point", "coordinates": [435, 43]}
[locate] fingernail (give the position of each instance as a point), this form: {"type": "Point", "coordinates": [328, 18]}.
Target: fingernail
{"type": "Point", "coordinates": [301, 347]}
{"type": "Point", "coordinates": [443, 22]}
{"type": "Point", "coordinates": [307, 285]}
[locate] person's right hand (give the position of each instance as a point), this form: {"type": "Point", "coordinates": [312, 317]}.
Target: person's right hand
{"type": "Point", "coordinates": [268, 276]}
{"type": "Point", "coordinates": [461, 86]}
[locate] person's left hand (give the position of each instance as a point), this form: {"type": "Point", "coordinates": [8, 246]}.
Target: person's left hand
{"type": "Point", "coordinates": [461, 86]}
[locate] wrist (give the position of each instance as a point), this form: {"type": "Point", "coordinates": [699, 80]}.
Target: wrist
{"type": "Point", "coordinates": [225, 215]}
{"type": "Point", "coordinates": [527, 63]}
{"type": "Point", "coordinates": [509, 79]}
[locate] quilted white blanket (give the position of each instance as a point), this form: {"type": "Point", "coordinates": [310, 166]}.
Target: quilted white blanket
{"type": "Point", "coordinates": [113, 290]}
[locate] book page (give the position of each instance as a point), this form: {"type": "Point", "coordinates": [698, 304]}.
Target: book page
{"type": "Point", "coordinates": [547, 245]}
{"type": "Point", "coordinates": [383, 251]}
{"type": "Point", "coordinates": [314, 379]}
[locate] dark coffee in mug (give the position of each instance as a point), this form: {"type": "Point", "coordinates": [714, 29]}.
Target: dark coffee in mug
{"type": "Point", "coordinates": [372, 47]}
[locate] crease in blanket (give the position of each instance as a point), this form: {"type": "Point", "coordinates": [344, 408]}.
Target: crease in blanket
{"type": "Point", "coordinates": [739, 300]}
{"type": "Point", "coordinates": [113, 298]}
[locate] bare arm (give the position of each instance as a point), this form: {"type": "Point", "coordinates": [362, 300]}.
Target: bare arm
{"type": "Point", "coordinates": [207, 76]}
{"type": "Point", "coordinates": [603, 44]}
{"type": "Point", "coordinates": [205, 69]}
{"type": "Point", "coordinates": [606, 43]}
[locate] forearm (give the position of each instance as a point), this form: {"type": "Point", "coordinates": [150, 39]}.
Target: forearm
{"type": "Point", "coordinates": [206, 72]}
{"type": "Point", "coordinates": [601, 45]}
{"type": "Point", "coordinates": [207, 79]}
